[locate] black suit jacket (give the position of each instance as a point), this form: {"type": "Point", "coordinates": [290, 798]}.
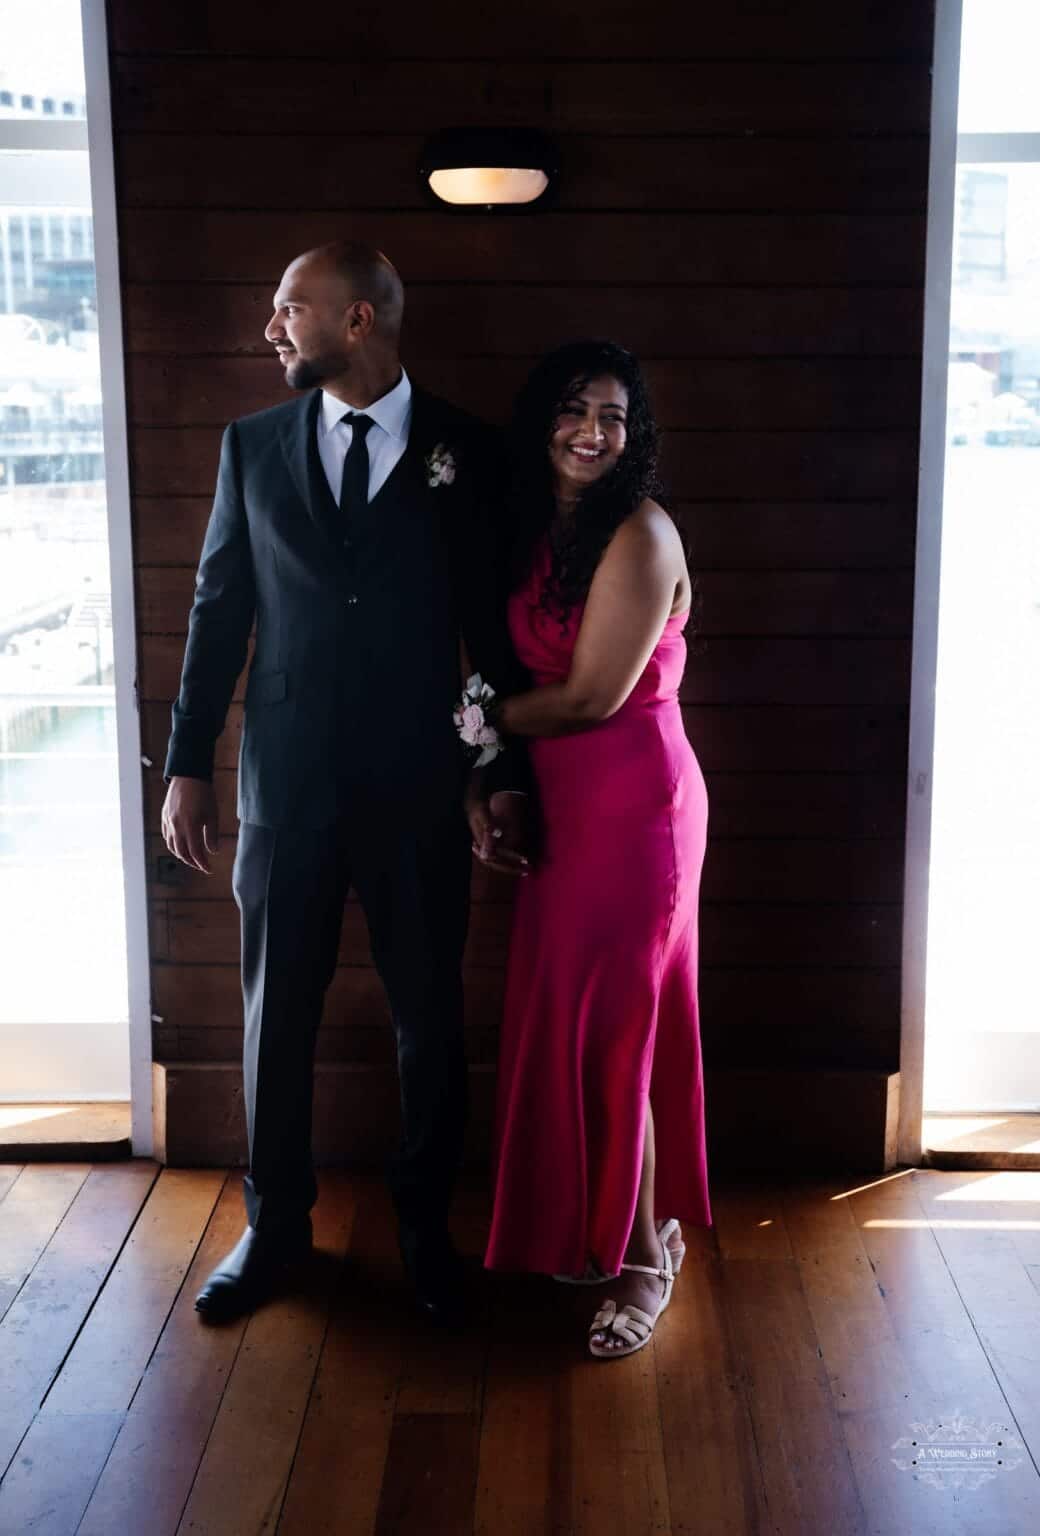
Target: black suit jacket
{"type": "Point", "coordinates": [356, 662]}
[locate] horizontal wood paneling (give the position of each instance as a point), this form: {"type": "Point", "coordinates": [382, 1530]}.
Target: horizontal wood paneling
{"type": "Point", "coordinates": [732, 737]}
{"type": "Point", "coordinates": [721, 393]}
{"type": "Point", "coordinates": [356, 1121]}
{"type": "Point", "coordinates": [740, 669]}
{"type": "Point", "coordinates": [738, 869]}
{"type": "Point", "coordinates": [214, 170]}
{"type": "Point", "coordinates": [746, 933]}
{"type": "Point", "coordinates": [611, 96]}
{"type": "Point", "coordinates": [505, 320]}
{"type": "Point", "coordinates": [803, 249]}
{"type": "Point", "coordinates": [783, 536]}
{"type": "Point", "coordinates": [744, 29]}
{"type": "Point", "coordinates": [788, 1015]}
{"type": "Point", "coordinates": [744, 466]}
{"type": "Point", "coordinates": [761, 804]}
{"type": "Point", "coordinates": [794, 1016]}
{"type": "Point", "coordinates": [745, 536]}
{"type": "Point", "coordinates": [735, 603]}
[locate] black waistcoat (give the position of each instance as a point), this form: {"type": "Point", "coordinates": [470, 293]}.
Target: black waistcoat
{"type": "Point", "coordinates": [397, 664]}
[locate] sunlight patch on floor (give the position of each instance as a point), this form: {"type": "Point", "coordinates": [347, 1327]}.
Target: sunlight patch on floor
{"type": "Point", "coordinates": [22, 1114]}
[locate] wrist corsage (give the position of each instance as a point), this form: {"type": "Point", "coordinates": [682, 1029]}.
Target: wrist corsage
{"type": "Point", "coordinates": [474, 723]}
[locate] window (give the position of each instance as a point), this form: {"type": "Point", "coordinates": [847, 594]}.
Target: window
{"type": "Point", "coordinates": [983, 1001]}
{"type": "Point", "coordinates": [63, 983]}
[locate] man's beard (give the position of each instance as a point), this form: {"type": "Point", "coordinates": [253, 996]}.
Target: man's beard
{"type": "Point", "coordinates": [305, 373]}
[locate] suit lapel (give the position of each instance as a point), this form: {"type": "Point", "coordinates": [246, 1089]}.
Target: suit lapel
{"type": "Point", "coordinates": [299, 441]}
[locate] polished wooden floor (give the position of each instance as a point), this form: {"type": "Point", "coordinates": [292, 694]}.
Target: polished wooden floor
{"type": "Point", "coordinates": [818, 1324]}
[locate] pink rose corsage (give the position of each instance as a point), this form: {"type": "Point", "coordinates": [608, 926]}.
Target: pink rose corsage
{"type": "Point", "coordinates": [473, 722]}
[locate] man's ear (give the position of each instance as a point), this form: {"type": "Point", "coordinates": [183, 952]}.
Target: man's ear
{"type": "Point", "coordinates": [361, 318]}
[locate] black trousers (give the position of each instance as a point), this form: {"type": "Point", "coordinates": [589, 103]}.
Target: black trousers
{"type": "Point", "coordinates": [412, 877]}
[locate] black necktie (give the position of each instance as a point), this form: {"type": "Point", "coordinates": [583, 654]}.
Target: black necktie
{"type": "Point", "coordinates": [353, 492]}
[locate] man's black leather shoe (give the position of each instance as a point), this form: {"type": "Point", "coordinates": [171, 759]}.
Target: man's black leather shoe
{"type": "Point", "coordinates": [246, 1274]}
{"type": "Point", "coordinates": [437, 1275]}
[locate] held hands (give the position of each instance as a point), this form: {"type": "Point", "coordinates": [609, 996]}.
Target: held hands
{"type": "Point", "coordinates": [500, 829]}
{"type": "Point", "coordinates": [190, 826]}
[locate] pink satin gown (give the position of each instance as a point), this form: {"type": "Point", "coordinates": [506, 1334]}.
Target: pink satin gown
{"type": "Point", "coordinates": [601, 989]}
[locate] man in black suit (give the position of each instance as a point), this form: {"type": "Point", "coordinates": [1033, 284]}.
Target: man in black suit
{"type": "Point", "coordinates": [356, 526]}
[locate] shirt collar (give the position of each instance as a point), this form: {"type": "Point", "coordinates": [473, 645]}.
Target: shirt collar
{"type": "Point", "coordinates": [391, 411]}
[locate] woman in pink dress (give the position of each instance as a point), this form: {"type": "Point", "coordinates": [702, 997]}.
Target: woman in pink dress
{"type": "Point", "coordinates": [599, 1145]}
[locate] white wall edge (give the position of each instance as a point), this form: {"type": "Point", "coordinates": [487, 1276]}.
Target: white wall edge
{"type": "Point", "coordinates": [938, 268]}
{"type": "Point", "coordinates": [117, 479]}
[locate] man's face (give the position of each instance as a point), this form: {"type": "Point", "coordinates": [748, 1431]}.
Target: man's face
{"type": "Point", "coordinates": [311, 324]}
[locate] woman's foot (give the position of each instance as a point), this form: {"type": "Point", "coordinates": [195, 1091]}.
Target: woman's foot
{"type": "Point", "coordinates": [631, 1288]}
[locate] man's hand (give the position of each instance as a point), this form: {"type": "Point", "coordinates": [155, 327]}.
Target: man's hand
{"type": "Point", "coordinates": [189, 822]}
{"type": "Point", "coordinates": [499, 828]}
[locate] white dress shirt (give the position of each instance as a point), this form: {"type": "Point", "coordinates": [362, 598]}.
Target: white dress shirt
{"type": "Point", "coordinates": [386, 440]}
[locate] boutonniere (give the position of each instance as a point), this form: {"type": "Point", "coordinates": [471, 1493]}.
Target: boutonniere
{"type": "Point", "coordinates": [440, 466]}
{"type": "Point", "coordinates": [473, 720]}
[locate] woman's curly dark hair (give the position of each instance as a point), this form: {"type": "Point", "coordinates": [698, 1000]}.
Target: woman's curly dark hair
{"type": "Point", "coordinates": [603, 506]}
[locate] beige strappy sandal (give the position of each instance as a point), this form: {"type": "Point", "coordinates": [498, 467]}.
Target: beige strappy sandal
{"type": "Point", "coordinates": [631, 1323]}
{"type": "Point", "coordinates": [596, 1276]}
{"type": "Point", "coordinates": [664, 1232]}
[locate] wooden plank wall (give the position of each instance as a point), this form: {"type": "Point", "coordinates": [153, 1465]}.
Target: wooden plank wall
{"type": "Point", "coordinates": [742, 204]}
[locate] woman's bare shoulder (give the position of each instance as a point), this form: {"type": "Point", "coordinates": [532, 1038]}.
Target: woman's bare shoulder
{"type": "Point", "coordinates": [651, 537]}
{"type": "Point", "coordinates": [652, 517]}
{"type": "Point", "coordinates": [650, 533]}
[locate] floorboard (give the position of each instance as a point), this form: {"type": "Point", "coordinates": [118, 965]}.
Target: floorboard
{"type": "Point", "coordinates": [943, 1357]}
{"type": "Point", "coordinates": [714, 1477]}
{"type": "Point", "coordinates": [35, 1204]}
{"type": "Point", "coordinates": [149, 1473]}
{"type": "Point", "coordinates": [430, 1472]}
{"type": "Point", "coordinates": [45, 1317]}
{"type": "Point", "coordinates": [242, 1477]}
{"type": "Point", "coordinates": [820, 1324]}
{"type": "Point", "coordinates": [337, 1474]}
{"type": "Point", "coordinates": [806, 1474]}
{"type": "Point", "coordinates": [9, 1173]}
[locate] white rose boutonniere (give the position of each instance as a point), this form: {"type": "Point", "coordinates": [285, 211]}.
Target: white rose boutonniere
{"type": "Point", "coordinates": [440, 466]}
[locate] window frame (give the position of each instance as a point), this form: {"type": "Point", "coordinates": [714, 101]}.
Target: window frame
{"type": "Point", "coordinates": [121, 563]}
{"type": "Point", "coordinates": [942, 173]}
{"type": "Point", "coordinates": [94, 137]}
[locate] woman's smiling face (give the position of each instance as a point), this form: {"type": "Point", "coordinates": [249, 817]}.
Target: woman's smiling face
{"type": "Point", "coordinates": [588, 436]}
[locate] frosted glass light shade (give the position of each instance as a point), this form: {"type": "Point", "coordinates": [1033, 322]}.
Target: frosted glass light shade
{"type": "Point", "coordinates": [488, 184]}
{"type": "Point", "coordinates": [489, 170]}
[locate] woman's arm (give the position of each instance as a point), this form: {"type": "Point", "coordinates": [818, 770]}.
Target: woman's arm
{"type": "Point", "coordinates": [628, 605]}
